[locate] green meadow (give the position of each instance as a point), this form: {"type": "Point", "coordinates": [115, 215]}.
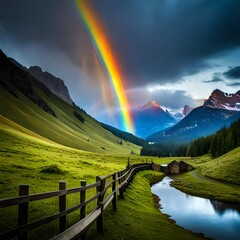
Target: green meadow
{"type": "Point", "coordinates": [28, 158]}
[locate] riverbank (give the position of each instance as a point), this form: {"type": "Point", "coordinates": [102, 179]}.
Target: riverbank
{"type": "Point", "coordinates": [199, 186]}
{"type": "Point", "coordinates": [216, 179]}
{"type": "Point", "coordinates": [138, 215]}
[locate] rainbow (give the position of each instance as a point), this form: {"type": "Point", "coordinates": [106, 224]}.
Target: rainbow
{"type": "Point", "coordinates": [105, 53]}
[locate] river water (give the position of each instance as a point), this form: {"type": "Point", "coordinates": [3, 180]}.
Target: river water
{"type": "Point", "coordinates": [214, 219]}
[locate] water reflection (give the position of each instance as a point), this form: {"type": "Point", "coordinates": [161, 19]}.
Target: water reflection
{"type": "Point", "coordinates": [221, 207]}
{"type": "Point", "coordinates": [214, 219]}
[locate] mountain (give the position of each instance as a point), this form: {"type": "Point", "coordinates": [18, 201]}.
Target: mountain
{"type": "Point", "coordinates": [28, 106]}
{"type": "Point", "coordinates": [186, 110]}
{"type": "Point", "coordinates": [222, 100]}
{"type": "Point", "coordinates": [151, 118]}
{"type": "Point", "coordinates": [199, 122]}
{"type": "Point", "coordinates": [124, 135]}
{"type": "Point", "coordinates": [56, 85]}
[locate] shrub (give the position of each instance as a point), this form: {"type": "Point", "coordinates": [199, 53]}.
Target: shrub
{"type": "Point", "coordinates": [52, 169]}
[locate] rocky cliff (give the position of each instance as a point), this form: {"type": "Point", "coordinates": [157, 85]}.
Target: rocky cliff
{"type": "Point", "coordinates": [56, 85]}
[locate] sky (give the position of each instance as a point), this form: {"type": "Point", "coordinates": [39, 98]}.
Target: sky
{"type": "Point", "coordinates": [175, 52]}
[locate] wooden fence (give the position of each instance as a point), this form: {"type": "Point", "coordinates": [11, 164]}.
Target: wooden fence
{"type": "Point", "coordinates": [118, 181]}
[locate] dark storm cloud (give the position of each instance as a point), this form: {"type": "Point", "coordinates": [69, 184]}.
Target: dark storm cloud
{"type": "Point", "coordinates": [53, 25]}
{"type": "Point", "coordinates": [164, 40]}
{"type": "Point", "coordinates": [216, 78]}
{"type": "Point", "coordinates": [156, 41]}
{"type": "Point", "coordinates": [233, 73]}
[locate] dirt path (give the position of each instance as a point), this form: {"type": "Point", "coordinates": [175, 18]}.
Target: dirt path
{"type": "Point", "coordinates": [199, 176]}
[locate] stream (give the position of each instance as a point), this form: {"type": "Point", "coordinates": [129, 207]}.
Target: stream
{"type": "Point", "coordinates": [215, 219]}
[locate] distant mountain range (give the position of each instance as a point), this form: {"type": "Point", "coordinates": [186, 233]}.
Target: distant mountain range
{"type": "Point", "coordinates": [151, 118]}
{"type": "Point", "coordinates": [218, 110]}
{"type": "Point", "coordinates": [56, 85]}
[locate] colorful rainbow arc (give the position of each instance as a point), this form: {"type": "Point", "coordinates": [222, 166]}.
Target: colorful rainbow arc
{"type": "Point", "coordinates": [105, 53]}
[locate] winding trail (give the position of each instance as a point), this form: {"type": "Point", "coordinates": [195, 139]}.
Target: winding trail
{"type": "Point", "coordinates": [199, 176]}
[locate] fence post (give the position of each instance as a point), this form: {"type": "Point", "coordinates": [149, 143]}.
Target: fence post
{"type": "Point", "coordinates": [119, 183]}
{"type": "Point", "coordinates": [128, 165]}
{"type": "Point", "coordinates": [114, 201]}
{"type": "Point", "coordinates": [83, 199]}
{"type": "Point", "coordinates": [119, 180]}
{"type": "Point", "coordinates": [125, 184]}
{"type": "Point", "coordinates": [83, 183]}
{"type": "Point", "coordinates": [100, 199]}
{"type": "Point", "coordinates": [62, 207]}
{"type": "Point", "coordinates": [23, 210]}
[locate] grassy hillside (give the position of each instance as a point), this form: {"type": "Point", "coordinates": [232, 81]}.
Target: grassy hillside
{"type": "Point", "coordinates": [124, 135]}
{"type": "Point", "coordinates": [65, 128]}
{"type": "Point", "coordinates": [225, 168]}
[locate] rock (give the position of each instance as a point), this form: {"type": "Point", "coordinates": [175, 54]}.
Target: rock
{"type": "Point", "coordinates": [56, 85]}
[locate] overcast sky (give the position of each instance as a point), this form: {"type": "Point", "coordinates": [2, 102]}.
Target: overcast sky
{"type": "Point", "coordinates": [173, 51]}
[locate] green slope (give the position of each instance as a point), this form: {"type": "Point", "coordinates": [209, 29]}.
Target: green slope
{"type": "Point", "coordinates": [225, 168]}
{"type": "Point", "coordinates": [27, 102]}
{"type": "Point", "coordinates": [124, 135]}
{"type": "Point", "coordinates": [65, 129]}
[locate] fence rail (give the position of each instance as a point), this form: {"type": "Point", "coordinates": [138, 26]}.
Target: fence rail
{"type": "Point", "coordinates": [117, 180]}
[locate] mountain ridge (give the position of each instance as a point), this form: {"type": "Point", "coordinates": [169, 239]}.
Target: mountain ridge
{"type": "Point", "coordinates": [222, 100]}
{"type": "Point", "coordinates": [202, 121]}
{"type": "Point", "coordinates": [55, 84]}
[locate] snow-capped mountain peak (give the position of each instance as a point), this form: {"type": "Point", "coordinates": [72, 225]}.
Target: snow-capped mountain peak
{"type": "Point", "coordinates": [152, 105]}
{"type": "Point", "coordinates": [222, 100]}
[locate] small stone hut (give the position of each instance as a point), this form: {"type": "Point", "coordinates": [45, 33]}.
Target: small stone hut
{"type": "Point", "coordinates": [173, 167]}
{"type": "Point", "coordinates": [184, 167]}
{"type": "Point", "coordinates": [164, 168]}
{"type": "Point", "coordinates": [156, 167]}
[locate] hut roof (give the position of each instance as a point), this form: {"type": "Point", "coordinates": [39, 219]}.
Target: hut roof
{"type": "Point", "coordinates": [173, 162]}
{"type": "Point", "coordinates": [183, 163]}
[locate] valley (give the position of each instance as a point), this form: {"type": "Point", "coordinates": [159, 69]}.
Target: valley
{"type": "Point", "coordinates": [46, 138]}
{"type": "Point", "coordinates": [28, 154]}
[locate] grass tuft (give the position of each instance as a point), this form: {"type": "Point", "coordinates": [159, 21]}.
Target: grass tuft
{"type": "Point", "coordinates": [53, 169]}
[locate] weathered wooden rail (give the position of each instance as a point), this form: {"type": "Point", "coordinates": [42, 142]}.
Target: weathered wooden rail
{"type": "Point", "coordinates": [117, 180]}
